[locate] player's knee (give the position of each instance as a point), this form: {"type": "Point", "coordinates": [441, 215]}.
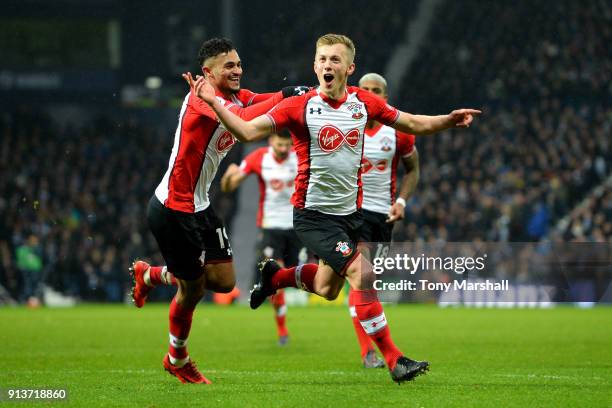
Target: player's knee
{"type": "Point", "coordinates": [221, 283]}
{"type": "Point", "coordinates": [331, 296]}
{"type": "Point", "coordinates": [329, 292]}
{"type": "Point", "coordinates": [220, 277]}
{"type": "Point", "coordinates": [224, 287]}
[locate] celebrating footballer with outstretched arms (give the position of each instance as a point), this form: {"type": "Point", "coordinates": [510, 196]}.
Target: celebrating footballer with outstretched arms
{"type": "Point", "coordinates": [328, 125]}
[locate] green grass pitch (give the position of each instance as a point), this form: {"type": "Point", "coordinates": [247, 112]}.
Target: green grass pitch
{"type": "Point", "coordinates": [111, 356]}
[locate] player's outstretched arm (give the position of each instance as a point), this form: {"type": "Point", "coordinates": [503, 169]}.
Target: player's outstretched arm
{"type": "Point", "coordinates": [250, 131]}
{"type": "Point", "coordinates": [426, 125]}
{"type": "Point", "coordinates": [286, 92]}
{"type": "Point", "coordinates": [232, 178]}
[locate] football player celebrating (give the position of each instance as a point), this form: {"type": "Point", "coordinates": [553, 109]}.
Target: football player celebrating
{"type": "Point", "coordinates": [328, 125]}
{"type": "Point", "coordinates": [191, 238]}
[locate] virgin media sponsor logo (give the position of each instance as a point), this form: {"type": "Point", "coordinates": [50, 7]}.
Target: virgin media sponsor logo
{"type": "Point", "coordinates": [367, 165]}
{"type": "Point", "coordinates": [225, 141]}
{"type": "Point", "coordinates": [331, 138]}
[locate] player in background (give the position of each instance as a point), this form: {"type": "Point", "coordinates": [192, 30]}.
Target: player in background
{"type": "Point", "coordinates": [327, 125]}
{"type": "Point", "coordinates": [384, 148]}
{"type": "Point", "coordinates": [191, 238]}
{"type": "Point", "coordinates": [275, 167]}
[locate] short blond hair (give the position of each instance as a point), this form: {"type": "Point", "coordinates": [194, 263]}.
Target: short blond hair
{"type": "Point", "coordinates": [331, 39]}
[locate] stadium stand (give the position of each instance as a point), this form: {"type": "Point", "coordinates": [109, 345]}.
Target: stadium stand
{"type": "Point", "coordinates": [80, 193]}
{"type": "Point", "coordinates": [281, 55]}
{"type": "Point", "coordinates": [544, 83]}
{"type": "Point", "coordinates": [74, 197]}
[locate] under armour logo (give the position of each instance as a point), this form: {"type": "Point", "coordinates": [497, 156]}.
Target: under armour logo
{"type": "Point", "coordinates": [299, 90]}
{"type": "Point", "coordinates": [312, 110]}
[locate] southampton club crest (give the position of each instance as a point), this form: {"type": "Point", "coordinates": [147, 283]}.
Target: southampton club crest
{"type": "Point", "coordinates": [385, 144]}
{"type": "Point", "coordinates": [344, 248]}
{"type": "Point", "coordinates": [355, 109]}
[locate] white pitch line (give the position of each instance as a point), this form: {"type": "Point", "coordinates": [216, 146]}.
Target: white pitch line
{"type": "Point", "coordinates": [547, 376]}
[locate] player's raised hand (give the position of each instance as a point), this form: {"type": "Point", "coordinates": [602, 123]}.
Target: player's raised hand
{"type": "Point", "coordinates": [200, 87]}
{"type": "Point", "coordinates": [204, 90]}
{"type": "Point", "coordinates": [189, 79]}
{"type": "Point", "coordinates": [463, 117]}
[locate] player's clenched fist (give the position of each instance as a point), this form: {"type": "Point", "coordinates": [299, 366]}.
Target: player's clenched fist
{"type": "Point", "coordinates": [289, 91]}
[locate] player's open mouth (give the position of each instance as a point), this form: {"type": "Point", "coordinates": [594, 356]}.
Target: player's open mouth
{"type": "Point", "coordinates": [328, 78]}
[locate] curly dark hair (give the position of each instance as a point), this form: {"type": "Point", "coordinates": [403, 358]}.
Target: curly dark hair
{"type": "Point", "coordinates": [214, 47]}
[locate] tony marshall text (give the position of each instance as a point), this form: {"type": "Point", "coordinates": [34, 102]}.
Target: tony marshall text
{"type": "Point", "coordinates": [424, 284]}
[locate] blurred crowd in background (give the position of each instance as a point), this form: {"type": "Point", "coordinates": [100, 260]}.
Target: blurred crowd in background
{"type": "Point", "coordinates": [543, 76]}
{"type": "Point", "coordinates": [280, 54]}
{"type": "Point", "coordinates": [535, 167]}
{"type": "Point", "coordinates": [73, 201]}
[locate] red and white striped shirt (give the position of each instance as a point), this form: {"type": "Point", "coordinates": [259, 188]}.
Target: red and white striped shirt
{"type": "Point", "coordinates": [328, 140]}
{"type": "Point", "coordinates": [276, 178]}
{"type": "Point", "coordinates": [200, 143]}
{"type": "Point", "coordinates": [384, 147]}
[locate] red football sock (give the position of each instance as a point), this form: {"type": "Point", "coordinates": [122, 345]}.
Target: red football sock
{"type": "Point", "coordinates": [301, 277]}
{"type": "Point", "coordinates": [280, 312]}
{"type": "Point", "coordinates": [365, 343]}
{"type": "Point", "coordinates": [180, 325]}
{"type": "Point", "coordinates": [372, 317]}
{"type": "Point", "coordinates": [160, 275]}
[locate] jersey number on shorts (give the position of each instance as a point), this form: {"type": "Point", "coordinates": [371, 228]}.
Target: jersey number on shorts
{"type": "Point", "coordinates": [381, 250]}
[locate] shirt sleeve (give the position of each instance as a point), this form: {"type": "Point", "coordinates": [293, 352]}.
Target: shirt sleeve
{"type": "Point", "coordinates": [252, 162]}
{"type": "Point", "coordinates": [287, 112]}
{"type": "Point", "coordinates": [405, 144]}
{"type": "Point", "coordinates": [248, 97]}
{"type": "Point", "coordinates": [200, 107]}
{"type": "Point", "coordinates": [378, 109]}
{"type": "Point", "coordinates": [253, 111]}
{"type": "Point", "coordinates": [257, 98]}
